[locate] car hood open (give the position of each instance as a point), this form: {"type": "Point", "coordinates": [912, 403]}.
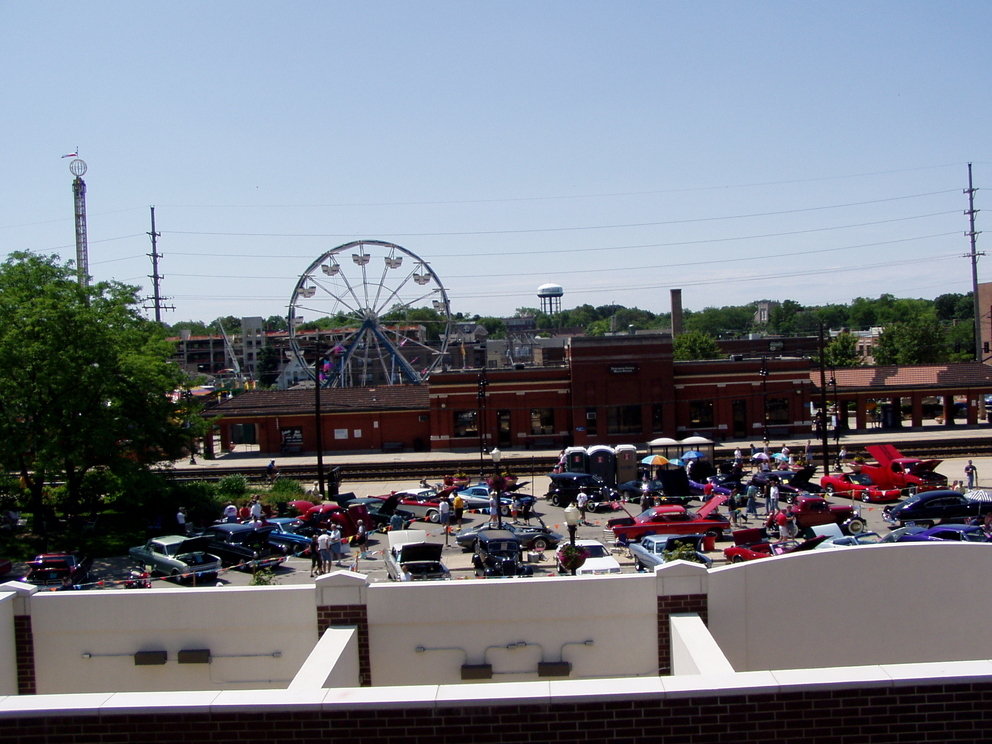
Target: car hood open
{"type": "Point", "coordinates": [420, 552]}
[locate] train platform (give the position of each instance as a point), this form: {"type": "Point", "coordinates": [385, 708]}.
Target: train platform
{"type": "Point", "coordinates": [249, 459]}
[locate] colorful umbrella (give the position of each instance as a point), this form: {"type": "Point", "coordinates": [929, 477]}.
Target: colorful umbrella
{"type": "Point", "coordinates": [760, 456]}
{"type": "Point", "coordinates": [779, 456]}
{"type": "Point", "coordinates": [654, 460]}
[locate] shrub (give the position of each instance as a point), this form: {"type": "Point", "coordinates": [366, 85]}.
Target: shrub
{"type": "Point", "coordinates": [233, 486]}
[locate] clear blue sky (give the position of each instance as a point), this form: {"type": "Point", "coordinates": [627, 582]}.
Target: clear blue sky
{"type": "Point", "coordinates": [739, 150]}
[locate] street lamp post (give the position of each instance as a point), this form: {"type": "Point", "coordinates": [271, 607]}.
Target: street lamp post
{"type": "Point", "coordinates": [763, 372]}
{"type": "Point", "coordinates": [481, 422]}
{"type": "Point", "coordinates": [572, 518]}
{"type": "Point", "coordinates": [317, 423]}
{"type": "Point", "coordinates": [498, 483]}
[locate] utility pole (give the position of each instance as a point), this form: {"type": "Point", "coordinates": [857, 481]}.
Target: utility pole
{"type": "Point", "coordinates": [154, 276]}
{"type": "Point", "coordinates": [823, 404]}
{"type": "Point", "coordinates": [974, 254]}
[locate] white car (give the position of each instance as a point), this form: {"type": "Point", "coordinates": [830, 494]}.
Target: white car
{"type": "Point", "coordinates": [599, 560]}
{"type": "Point", "coordinates": [411, 558]}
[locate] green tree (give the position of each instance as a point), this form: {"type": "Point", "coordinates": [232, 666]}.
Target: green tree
{"type": "Point", "coordinates": [842, 351]}
{"type": "Point", "coordinates": [695, 345]}
{"type": "Point", "coordinates": [916, 341]}
{"type": "Point", "coordinates": [86, 380]}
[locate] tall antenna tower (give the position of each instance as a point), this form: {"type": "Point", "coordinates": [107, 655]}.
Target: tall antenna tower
{"type": "Point", "coordinates": [156, 278]}
{"type": "Point", "coordinates": [973, 255]}
{"type": "Point", "coordinates": [77, 168]}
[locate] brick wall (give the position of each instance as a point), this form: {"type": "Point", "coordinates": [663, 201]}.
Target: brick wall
{"type": "Point", "coordinates": [882, 715]}
{"type": "Point", "coordinates": [678, 604]}
{"type": "Point", "coordinates": [350, 616]}
{"type": "Point", "coordinates": [24, 643]}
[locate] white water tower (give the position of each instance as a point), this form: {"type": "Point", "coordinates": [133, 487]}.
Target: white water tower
{"type": "Point", "coordinates": [550, 296]}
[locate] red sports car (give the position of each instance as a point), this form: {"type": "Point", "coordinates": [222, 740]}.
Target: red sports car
{"type": "Point", "coordinates": [672, 520]}
{"type": "Point", "coordinates": [739, 553]}
{"type": "Point", "coordinates": [857, 486]}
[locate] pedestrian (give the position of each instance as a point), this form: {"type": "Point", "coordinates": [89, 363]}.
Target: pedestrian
{"type": "Point", "coordinates": [738, 455]}
{"type": "Point", "coordinates": [808, 451]}
{"type": "Point", "coordinates": [582, 501]}
{"type": "Point", "coordinates": [752, 499]}
{"type": "Point", "coordinates": [395, 522]}
{"type": "Point", "coordinates": [255, 510]}
{"type": "Point", "coordinates": [270, 470]}
{"type": "Point", "coordinates": [493, 509]}
{"type": "Point", "coordinates": [359, 540]}
{"type": "Point", "coordinates": [181, 521]}
{"type": "Point", "coordinates": [841, 456]}
{"type": "Point", "coordinates": [515, 508]}
{"type": "Point", "coordinates": [444, 513]}
{"type": "Point", "coordinates": [230, 512]}
{"type": "Point", "coordinates": [315, 561]}
{"type": "Point", "coordinates": [773, 494]}
{"type": "Point", "coordinates": [337, 549]}
{"type": "Point", "coordinates": [971, 473]}
{"type": "Point", "coordinates": [525, 510]}
{"type": "Point", "coordinates": [324, 551]}
{"type": "Point", "coordinates": [458, 505]}
{"type": "Point", "coordinates": [766, 489]}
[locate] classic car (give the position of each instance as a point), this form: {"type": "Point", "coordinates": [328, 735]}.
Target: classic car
{"type": "Point", "coordinates": [5, 566]}
{"type": "Point", "coordinates": [323, 516]}
{"type": "Point", "coordinates": [288, 534]}
{"type": "Point", "coordinates": [946, 532]}
{"type": "Point", "coordinates": [565, 487]}
{"type": "Point", "coordinates": [472, 494]}
{"type": "Point", "coordinates": [634, 490]}
{"type": "Point", "coordinates": [651, 550]}
{"type": "Point", "coordinates": [857, 486]}
{"type": "Point", "coordinates": [498, 553]}
{"type": "Point", "coordinates": [58, 569]}
{"type": "Point", "coordinates": [850, 541]}
{"type": "Point", "coordinates": [811, 511]}
{"type": "Point", "coordinates": [411, 558]}
{"type": "Point", "coordinates": [753, 551]}
{"type": "Point", "coordinates": [531, 537]}
{"type": "Point", "coordinates": [381, 511]}
{"type": "Point", "coordinates": [178, 557]}
{"type": "Point", "coordinates": [926, 508]}
{"type": "Point", "coordinates": [244, 546]}
{"type": "Point", "coordinates": [672, 520]}
{"type": "Point", "coordinates": [598, 561]}
{"type": "Point", "coordinates": [907, 473]}
{"type": "Point", "coordinates": [424, 503]}
{"type": "Point", "coordinates": [791, 483]}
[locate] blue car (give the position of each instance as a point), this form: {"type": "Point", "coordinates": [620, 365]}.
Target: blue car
{"type": "Point", "coordinates": [945, 532]}
{"type": "Point", "coordinates": [284, 536]}
{"type": "Point", "coordinates": [474, 494]}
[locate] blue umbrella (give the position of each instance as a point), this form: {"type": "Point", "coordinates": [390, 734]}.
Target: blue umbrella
{"type": "Point", "coordinates": [693, 455]}
{"type": "Point", "coordinates": [676, 461]}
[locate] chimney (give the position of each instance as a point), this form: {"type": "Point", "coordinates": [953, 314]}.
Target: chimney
{"type": "Point", "coordinates": [676, 312]}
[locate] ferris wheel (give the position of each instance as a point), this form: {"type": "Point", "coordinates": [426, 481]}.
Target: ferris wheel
{"type": "Point", "coordinates": [372, 288]}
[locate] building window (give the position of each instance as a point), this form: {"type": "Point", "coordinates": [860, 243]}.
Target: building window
{"type": "Point", "coordinates": [624, 420]}
{"type": "Point", "coordinates": [591, 428]}
{"type": "Point", "coordinates": [656, 417]}
{"type": "Point", "coordinates": [466, 423]}
{"type": "Point", "coordinates": [542, 420]}
{"type": "Point", "coordinates": [778, 411]}
{"type": "Point", "coordinates": [701, 413]}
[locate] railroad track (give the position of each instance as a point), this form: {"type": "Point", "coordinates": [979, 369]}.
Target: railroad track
{"type": "Point", "coordinates": [434, 470]}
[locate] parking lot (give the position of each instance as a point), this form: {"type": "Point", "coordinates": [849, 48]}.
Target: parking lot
{"type": "Point", "coordinates": [297, 570]}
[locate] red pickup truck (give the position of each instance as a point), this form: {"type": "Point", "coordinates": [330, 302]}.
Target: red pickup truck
{"type": "Point", "coordinates": [812, 511]}
{"type": "Point", "coordinates": [905, 473]}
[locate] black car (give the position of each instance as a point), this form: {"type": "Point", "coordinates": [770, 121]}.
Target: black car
{"type": "Point", "coordinates": [382, 510]}
{"type": "Point", "coordinates": [930, 507]}
{"type": "Point", "coordinates": [634, 490]}
{"type": "Point", "coordinates": [531, 537]}
{"type": "Point", "coordinates": [244, 546]}
{"type": "Point", "coordinates": [498, 553]}
{"type": "Point", "coordinates": [792, 483]}
{"type": "Point", "coordinates": [565, 488]}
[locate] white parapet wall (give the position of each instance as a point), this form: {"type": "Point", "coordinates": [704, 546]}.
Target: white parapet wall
{"type": "Point", "coordinates": [86, 641]}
